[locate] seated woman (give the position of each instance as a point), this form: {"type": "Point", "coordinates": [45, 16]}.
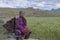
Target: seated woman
{"type": "Point", "coordinates": [20, 27]}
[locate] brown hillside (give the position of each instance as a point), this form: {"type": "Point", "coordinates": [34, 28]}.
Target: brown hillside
{"type": "Point", "coordinates": [9, 12]}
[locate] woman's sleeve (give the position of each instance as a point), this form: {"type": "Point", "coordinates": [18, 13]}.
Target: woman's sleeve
{"type": "Point", "coordinates": [25, 22]}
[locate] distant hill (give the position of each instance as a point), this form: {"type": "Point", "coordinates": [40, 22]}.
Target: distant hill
{"type": "Point", "coordinates": [11, 12]}
{"type": "Point", "coordinates": [56, 9]}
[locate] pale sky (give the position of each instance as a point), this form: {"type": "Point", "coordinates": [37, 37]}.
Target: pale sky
{"type": "Point", "coordinates": [40, 4]}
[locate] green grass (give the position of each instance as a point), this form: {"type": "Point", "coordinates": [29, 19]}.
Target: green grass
{"type": "Point", "coordinates": [46, 27]}
{"type": "Point", "coordinates": [1, 30]}
{"type": "Point", "coordinates": [1, 21]}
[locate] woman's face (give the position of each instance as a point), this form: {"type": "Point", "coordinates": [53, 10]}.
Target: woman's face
{"type": "Point", "coordinates": [21, 14]}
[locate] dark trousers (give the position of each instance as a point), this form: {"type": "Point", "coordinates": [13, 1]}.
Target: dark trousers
{"type": "Point", "coordinates": [25, 36]}
{"type": "Point", "coordinates": [17, 38]}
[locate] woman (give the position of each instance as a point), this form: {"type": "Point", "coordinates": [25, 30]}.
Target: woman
{"type": "Point", "coordinates": [20, 27]}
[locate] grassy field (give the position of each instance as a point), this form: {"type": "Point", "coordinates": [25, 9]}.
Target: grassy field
{"type": "Point", "coordinates": [42, 27]}
{"type": "Point", "coordinates": [46, 27]}
{"type": "Point", "coordinates": [1, 30]}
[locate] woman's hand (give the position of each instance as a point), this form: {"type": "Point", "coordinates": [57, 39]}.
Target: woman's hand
{"type": "Point", "coordinates": [26, 30]}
